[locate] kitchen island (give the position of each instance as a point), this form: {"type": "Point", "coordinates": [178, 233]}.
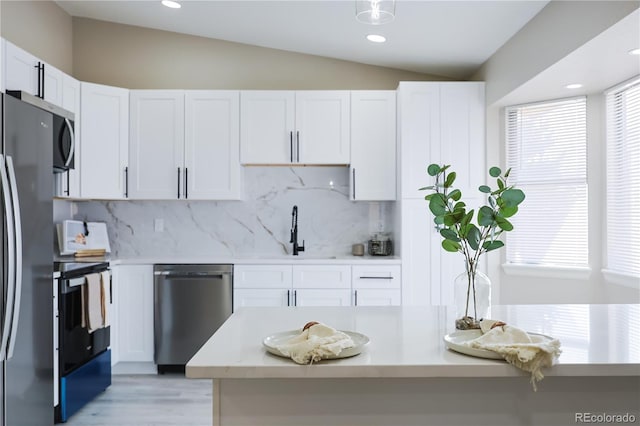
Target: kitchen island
{"type": "Point", "coordinates": [407, 376]}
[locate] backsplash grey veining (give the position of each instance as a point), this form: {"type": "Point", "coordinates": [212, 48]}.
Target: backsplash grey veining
{"type": "Point", "coordinates": [259, 225]}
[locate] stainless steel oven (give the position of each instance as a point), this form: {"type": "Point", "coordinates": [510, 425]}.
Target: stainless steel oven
{"type": "Point", "coordinates": [82, 358]}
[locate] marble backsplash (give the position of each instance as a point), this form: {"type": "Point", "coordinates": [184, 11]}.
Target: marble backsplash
{"type": "Point", "coordinates": [259, 225]}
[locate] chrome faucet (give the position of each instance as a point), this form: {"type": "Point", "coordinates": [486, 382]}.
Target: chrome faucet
{"type": "Point", "coordinates": [294, 232]}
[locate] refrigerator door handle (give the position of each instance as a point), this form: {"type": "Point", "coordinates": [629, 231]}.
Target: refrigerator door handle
{"type": "Point", "coordinates": [18, 258]}
{"type": "Point", "coordinates": [11, 255]}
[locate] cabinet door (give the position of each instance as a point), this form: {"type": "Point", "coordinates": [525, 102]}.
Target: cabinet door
{"type": "Point", "coordinates": [212, 145]}
{"type": "Point", "coordinates": [267, 127]}
{"type": "Point", "coordinates": [104, 132]}
{"type": "Point", "coordinates": [462, 135]}
{"type": "Point", "coordinates": [269, 297]}
{"type": "Point", "coordinates": [373, 145]}
{"type": "Point", "coordinates": [53, 85]}
{"type": "Point", "coordinates": [68, 183]}
{"type": "Point", "coordinates": [321, 297]}
{"type": "Point", "coordinates": [374, 297]}
{"type": "Point", "coordinates": [21, 69]}
{"type": "Point", "coordinates": [135, 313]}
{"type": "Point", "coordinates": [156, 144]}
{"type": "Point", "coordinates": [321, 276]}
{"type": "Point", "coordinates": [322, 127]}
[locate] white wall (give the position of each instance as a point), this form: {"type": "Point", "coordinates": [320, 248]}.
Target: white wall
{"type": "Point", "coordinates": [558, 30]}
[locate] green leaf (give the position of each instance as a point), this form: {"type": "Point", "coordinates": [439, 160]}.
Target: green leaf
{"type": "Point", "coordinates": [427, 187]}
{"type": "Point", "coordinates": [473, 237]}
{"type": "Point", "coordinates": [430, 196]}
{"type": "Point", "coordinates": [492, 245]}
{"type": "Point", "coordinates": [438, 205]}
{"type": "Point", "coordinates": [485, 216]}
{"type": "Point", "coordinates": [452, 218]}
{"type": "Point", "coordinates": [506, 175]}
{"type": "Point", "coordinates": [449, 234]}
{"type": "Point", "coordinates": [485, 189]}
{"type": "Point", "coordinates": [495, 172]}
{"type": "Point", "coordinates": [451, 246]}
{"type": "Point", "coordinates": [451, 177]}
{"type": "Point", "coordinates": [455, 195]}
{"type": "Point", "coordinates": [512, 197]}
{"type": "Point", "coordinates": [467, 218]}
{"type": "Point", "coordinates": [500, 185]}
{"type": "Point", "coordinates": [433, 169]}
{"type": "Point", "coordinates": [439, 220]}
{"type": "Point", "coordinates": [504, 224]}
{"type": "Point", "coordinates": [508, 211]}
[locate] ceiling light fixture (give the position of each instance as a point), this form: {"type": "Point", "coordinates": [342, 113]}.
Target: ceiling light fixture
{"type": "Point", "coordinates": [573, 86]}
{"type": "Point", "coordinates": [376, 38]}
{"type": "Point", "coordinates": [171, 4]}
{"type": "Point", "coordinates": [375, 12]}
{"type": "Point", "coordinates": [635, 51]}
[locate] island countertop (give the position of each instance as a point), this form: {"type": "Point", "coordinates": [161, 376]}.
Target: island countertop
{"type": "Point", "coordinates": [597, 340]}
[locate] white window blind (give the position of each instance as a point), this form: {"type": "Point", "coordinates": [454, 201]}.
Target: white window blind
{"type": "Point", "coordinates": [623, 179]}
{"type": "Point", "coordinates": [547, 151]}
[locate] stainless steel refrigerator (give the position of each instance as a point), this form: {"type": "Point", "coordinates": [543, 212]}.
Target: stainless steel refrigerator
{"type": "Point", "coordinates": [26, 302]}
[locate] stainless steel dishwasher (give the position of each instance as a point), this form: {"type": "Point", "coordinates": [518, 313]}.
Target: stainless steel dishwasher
{"type": "Point", "coordinates": [190, 303]}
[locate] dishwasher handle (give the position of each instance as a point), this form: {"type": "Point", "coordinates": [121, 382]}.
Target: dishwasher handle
{"type": "Point", "coordinates": [173, 274]}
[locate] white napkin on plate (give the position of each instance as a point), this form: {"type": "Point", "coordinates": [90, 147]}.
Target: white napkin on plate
{"type": "Point", "coordinates": [316, 342]}
{"type": "Point", "coordinates": [529, 352]}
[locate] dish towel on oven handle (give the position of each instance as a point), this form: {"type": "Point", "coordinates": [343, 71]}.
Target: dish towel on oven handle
{"type": "Point", "coordinates": [527, 352]}
{"type": "Point", "coordinates": [93, 306]}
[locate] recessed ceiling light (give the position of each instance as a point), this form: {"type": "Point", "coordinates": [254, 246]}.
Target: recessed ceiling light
{"type": "Point", "coordinates": [634, 51]}
{"type": "Point", "coordinates": [376, 38]}
{"type": "Point", "coordinates": [573, 86]}
{"type": "Point", "coordinates": [171, 4]}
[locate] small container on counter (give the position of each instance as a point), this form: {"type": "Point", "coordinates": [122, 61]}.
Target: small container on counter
{"type": "Point", "coordinates": [357, 249]}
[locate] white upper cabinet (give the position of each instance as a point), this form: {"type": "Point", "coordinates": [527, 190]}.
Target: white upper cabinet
{"type": "Point", "coordinates": [285, 127]}
{"type": "Point", "coordinates": [104, 132]}
{"type": "Point", "coordinates": [156, 144]}
{"type": "Point", "coordinates": [25, 72]}
{"type": "Point", "coordinates": [68, 183]}
{"type": "Point", "coordinates": [442, 122]}
{"type": "Point", "coordinates": [373, 145]}
{"type": "Point", "coordinates": [184, 145]}
{"type": "Point", "coordinates": [212, 145]}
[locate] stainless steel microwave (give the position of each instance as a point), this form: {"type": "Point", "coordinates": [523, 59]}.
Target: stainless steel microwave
{"type": "Point", "coordinates": [63, 130]}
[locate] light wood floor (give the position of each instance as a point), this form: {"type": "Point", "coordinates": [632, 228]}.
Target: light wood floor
{"type": "Point", "coordinates": [149, 400]}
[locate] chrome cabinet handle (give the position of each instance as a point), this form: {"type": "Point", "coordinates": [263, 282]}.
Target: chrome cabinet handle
{"type": "Point", "coordinates": [295, 297]}
{"type": "Point", "coordinates": [288, 297]}
{"type": "Point", "coordinates": [355, 301]}
{"type": "Point", "coordinates": [376, 278]}
{"type": "Point", "coordinates": [298, 146]}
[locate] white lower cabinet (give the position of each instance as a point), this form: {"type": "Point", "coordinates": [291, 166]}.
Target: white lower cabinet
{"type": "Point", "coordinates": [291, 285]}
{"type": "Point", "coordinates": [376, 285]}
{"type": "Point", "coordinates": [132, 328]}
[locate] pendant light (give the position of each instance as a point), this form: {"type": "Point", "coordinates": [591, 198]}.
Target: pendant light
{"type": "Point", "coordinates": [375, 12]}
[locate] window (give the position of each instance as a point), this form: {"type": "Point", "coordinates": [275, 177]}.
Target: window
{"type": "Point", "coordinates": [547, 151]}
{"type": "Point", "coordinates": [623, 180]}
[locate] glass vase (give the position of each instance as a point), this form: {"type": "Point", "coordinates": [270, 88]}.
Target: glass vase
{"type": "Point", "coordinates": [472, 293]}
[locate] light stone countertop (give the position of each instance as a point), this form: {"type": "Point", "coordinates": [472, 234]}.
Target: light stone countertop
{"type": "Point", "coordinates": [597, 340]}
{"type": "Point", "coordinates": [259, 260]}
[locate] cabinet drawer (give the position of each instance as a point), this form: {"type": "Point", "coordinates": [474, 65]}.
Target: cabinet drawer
{"type": "Point", "coordinates": [262, 276]}
{"type": "Point", "coordinates": [376, 276]}
{"type": "Point", "coordinates": [322, 276]}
